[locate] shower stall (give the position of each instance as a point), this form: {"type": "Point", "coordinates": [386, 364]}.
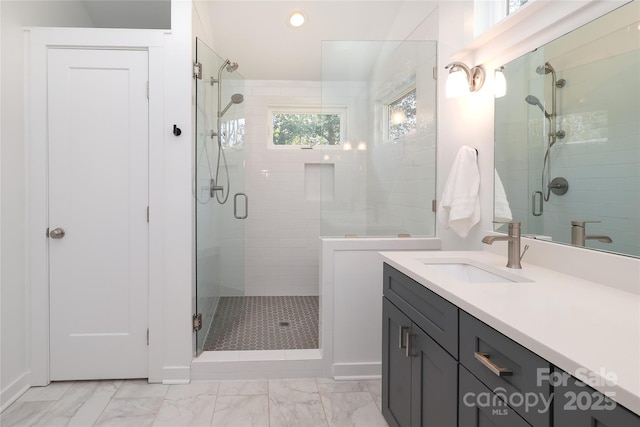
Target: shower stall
{"type": "Point", "coordinates": [263, 206]}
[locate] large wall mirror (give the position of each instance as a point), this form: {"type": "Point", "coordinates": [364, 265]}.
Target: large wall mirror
{"type": "Point", "coordinates": [567, 137]}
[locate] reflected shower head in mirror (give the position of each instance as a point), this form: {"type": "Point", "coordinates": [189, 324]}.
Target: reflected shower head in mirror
{"type": "Point", "coordinates": [236, 98]}
{"type": "Point", "coordinates": [532, 100]}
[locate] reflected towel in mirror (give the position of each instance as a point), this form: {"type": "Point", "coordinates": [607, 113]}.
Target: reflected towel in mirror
{"type": "Point", "coordinates": [459, 207]}
{"type": "Point", "coordinates": [502, 211]}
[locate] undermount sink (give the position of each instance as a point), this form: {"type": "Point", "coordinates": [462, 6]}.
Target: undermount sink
{"type": "Point", "coordinates": [465, 271]}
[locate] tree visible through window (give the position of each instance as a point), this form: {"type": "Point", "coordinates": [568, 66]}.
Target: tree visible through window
{"type": "Point", "coordinates": [402, 115]}
{"type": "Point", "coordinates": [306, 128]}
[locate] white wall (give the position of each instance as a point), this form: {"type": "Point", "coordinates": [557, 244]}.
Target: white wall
{"type": "Point", "coordinates": [14, 311]}
{"type": "Point", "coordinates": [463, 121]}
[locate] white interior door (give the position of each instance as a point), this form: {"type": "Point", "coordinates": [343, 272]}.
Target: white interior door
{"type": "Point", "coordinates": [98, 194]}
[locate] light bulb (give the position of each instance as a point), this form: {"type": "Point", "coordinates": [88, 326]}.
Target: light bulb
{"type": "Point", "coordinates": [457, 84]}
{"type": "Point", "coordinates": [296, 19]}
{"type": "Point", "coordinates": [499, 84]}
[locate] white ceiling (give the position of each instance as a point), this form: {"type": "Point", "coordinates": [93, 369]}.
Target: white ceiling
{"type": "Point", "coordinates": [256, 35]}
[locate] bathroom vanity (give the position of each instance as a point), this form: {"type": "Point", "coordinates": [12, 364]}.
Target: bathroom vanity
{"type": "Point", "coordinates": [468, 342]}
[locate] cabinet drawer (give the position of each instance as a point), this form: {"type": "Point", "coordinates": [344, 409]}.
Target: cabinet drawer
{"type": "Point", "coordinates": [432, 313]}
{"type": "Point", "coordinates": [479, 407]}
{"type": "Point", "coordinates": [485, 351]}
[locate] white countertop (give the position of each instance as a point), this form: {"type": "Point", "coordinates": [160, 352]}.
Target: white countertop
{"type": "Point", "coordinates": [587, 329]}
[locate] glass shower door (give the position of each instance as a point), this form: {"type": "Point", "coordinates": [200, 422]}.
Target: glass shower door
{"type": "Point", "coordinates": [220, 200]}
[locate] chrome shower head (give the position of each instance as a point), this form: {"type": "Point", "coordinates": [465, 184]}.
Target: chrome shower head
{"type": "Point", "coordinates": [236, 98]}
{"type": "Point", "coordinates": [229, 66]}
{"type": "Point", "coordinates": [532, 100]}
{"type": "Point", "coordinates": [545, 69]}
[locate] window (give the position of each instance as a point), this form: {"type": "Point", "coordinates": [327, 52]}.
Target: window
{"type": "Point", "coordinates": [514, 5]}
{"type": "Point", "coordinates": [401, 115]}
{"type": "Point", "coordinates": [307, 126]}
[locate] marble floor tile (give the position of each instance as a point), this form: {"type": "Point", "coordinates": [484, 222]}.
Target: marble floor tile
{"type": "Point", "coordinates": [286, 387]}
{"type": "Point", "coordinates": [192, 411]}
{"type": "Point", "coordinates": [375, 388]}
{"type": "Point", "coordinates": [241, 411]}
{"type": "Point", "coordinates": [140, 388]}
{"type": "Point", "coordinates": [193, 389]}
{"type": "Point", "coordinates": [81, 405]}
{"type": "Point", "coordinates": [242, 388]}
{"type": "Point", "coordinates": [133, 412]}
{"type": "Point", "coordinates": [53, 391]}
{"type": "Point", "coordinates": [21, 414]}
{"type": "Point", "coordinates": [328, 385]}
{"type": "Point", "coordinates": [295, 402]}
{"type": "Point", "coordinates": [310, 402]}
{"type": "Point", "coordinates": [352, 409]}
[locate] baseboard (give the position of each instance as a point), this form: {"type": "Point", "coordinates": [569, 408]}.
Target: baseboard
{"type": "Point", "coordinates": [13, 391]}
{"type": "Point", "coordinates": [359, 371]}
{"type": "Point", "coordinates": [176, 375]}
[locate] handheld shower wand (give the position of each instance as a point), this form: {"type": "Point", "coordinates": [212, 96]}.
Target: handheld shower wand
{"type": "Point", "coordinates": [235, 99]}
{"type": "Point", "coordinates": [553, 134]}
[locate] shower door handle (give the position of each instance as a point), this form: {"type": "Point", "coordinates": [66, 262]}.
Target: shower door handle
{"type": "Point", "coordinates": [235, 206]}
{"type": "Point", "coordinates": [533, 203]}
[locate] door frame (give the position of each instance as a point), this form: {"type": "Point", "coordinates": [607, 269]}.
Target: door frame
{"type": "Point", "coordinates": [37, 43]}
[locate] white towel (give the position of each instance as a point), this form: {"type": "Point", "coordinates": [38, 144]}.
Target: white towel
{"type": "Point", "coordinates": [460, 205]}
{"type": "Point", "coordinates": [502, 211]}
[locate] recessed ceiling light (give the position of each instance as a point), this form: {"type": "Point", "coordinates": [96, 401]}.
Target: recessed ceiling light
{"type": "Point", "coordinates": [296, 19]}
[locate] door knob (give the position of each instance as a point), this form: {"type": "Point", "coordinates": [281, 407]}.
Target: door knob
{"type": "Point", "coordinates": [57, 233]}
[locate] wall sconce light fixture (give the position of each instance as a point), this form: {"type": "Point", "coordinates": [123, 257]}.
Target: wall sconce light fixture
{"type": "Point", "coordinates": [461, 79]}
{"type": "Point", "coordinates": [499, 83]}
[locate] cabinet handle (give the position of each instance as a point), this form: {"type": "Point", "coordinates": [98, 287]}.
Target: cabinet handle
{"type": "Point", "coordinates": [402, 332]}
{"type": "Point", "coordinates": [499, 371]}
{"type": "Point", "coordinates": [407, 350]}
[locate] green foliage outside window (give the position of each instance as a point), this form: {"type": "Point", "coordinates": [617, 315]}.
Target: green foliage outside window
{"type": "Point", "coordinates": [402, 115]}
{"type": "Point", "coordinates": [306, 129]}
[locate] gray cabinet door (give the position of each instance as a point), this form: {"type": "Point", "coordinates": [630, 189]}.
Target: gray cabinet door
{"type": "Point", "coordinates": [396, 367]}
{"type": "Point", "coordinates": [434, 397]}
{"type": "Point", "coordinates": [479, 406]}
{"type": "Point", "coordinates": [582, 406]}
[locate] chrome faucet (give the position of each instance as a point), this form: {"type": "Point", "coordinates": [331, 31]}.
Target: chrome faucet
{"type": "Point", "coordinates": [513, 251]}
{"type": "Point", "coordinates": [579, 235]}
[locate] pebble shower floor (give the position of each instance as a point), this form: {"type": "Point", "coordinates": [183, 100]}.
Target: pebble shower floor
{"type": "Point", "coordinates": [264, 323]}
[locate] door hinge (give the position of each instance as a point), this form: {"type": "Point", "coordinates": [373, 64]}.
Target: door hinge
{"type": "Point", "coordinates": [147, 213]}
{"type": "Point", "coordinates": [197, 322]}
{"type": "Point", "coordinates": [434, 205]}
{"type": "Point", "coordinates": [197, 70]}
{"type": "Point", "coordinates": [147, 90]}
{"type": "Point", "coordinates": [435, 73]}
{"type": "Point", "coordinates": [147, 336]}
